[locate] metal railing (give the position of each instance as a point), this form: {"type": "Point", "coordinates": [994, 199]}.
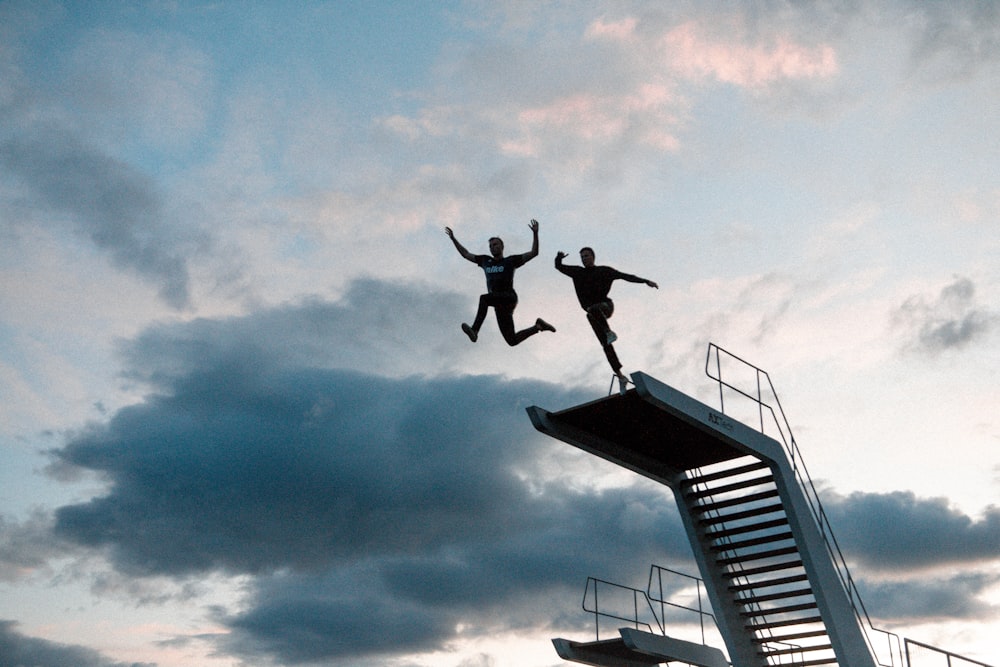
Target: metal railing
{"type": "Point", "coordinates": [762, 382]}
{"type": "Point", "coordinates": [659, 596]}
{"type": "Point", "coordinates": [948, 655]}
{"type": "Point", "coordinates": [618, 592]}
{"type": "Point", "coordinates": [642, 604]}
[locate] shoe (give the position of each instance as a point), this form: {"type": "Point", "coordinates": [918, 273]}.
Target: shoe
{"type": "Point", "coordinates": [543, 325]}
{"type": "Point", "coordinates": [622, 383]}
{"type": "Point", "coordinates": [470, 332]}
{"type": "Point", "coordinates": [612, 337]}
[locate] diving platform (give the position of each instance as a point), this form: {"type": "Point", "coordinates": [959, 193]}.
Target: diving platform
{"type": "Point", "coordinates": [777, 581]}
{"type": "Point", "coordinates": [778, 594]}
{"type": "Point", "coordinates": [639, 649]}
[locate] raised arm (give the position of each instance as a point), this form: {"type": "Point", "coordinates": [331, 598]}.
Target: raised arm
{"type": "Point", "coordinates": [458, 246]}
{"type": "Point", "coordinates": [559, 263]}
{"type": "Point", "coordinates": [531, 254]}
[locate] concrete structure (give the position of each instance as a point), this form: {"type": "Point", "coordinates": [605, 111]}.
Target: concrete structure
{"type": "Point", "coordinates": [779, 593]}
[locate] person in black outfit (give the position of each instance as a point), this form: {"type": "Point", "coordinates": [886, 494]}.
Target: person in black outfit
{"type": "Point", "coordinates": [500, 288]}
{"type": "Point", "coordinates": [592, 284]}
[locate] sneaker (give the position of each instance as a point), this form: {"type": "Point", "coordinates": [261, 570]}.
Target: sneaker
{"type": "Point", "coordinates": [543, 325]}
{"type": "Point", "coordinates": [470, 332]}
{"type": "Point", "coordinates": [612, 337]}
{"type": "Point", "coordinates": [622, 383]}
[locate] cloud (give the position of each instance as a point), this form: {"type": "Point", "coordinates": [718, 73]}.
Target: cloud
{"type": "Point", "coordinates": [940, 599]}
{"type": "Point", "coordinates": [956, 42]}
{"type": "Point", "coordinates": [354, 500]}
{"type": "Point", "coordinates": [951, 321]}
{"type": "Point", "coordinates": [157, 84]}
{"type": "Point", "coordinates": [117, 207]}
{"type": "Point", "coordinates": [694, 53]}
{"type": "Point", "coordinates": [378, 327]}
{"type": "Point", "coordinates": [19, 649]}
{"type": "Point", "coordinates": [900, 530]}
{"type": "Point", "coordinates": [26, 547]}
{"type": "Point", "coordinates": [252, 470]}
{"type": "Point", "coordinates": [520, 576]}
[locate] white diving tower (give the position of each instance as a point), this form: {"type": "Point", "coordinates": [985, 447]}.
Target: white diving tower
{"type": "Point", "coordinates": [776, 579]}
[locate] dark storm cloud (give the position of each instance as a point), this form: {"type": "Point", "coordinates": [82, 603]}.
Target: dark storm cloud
{"type": "Point", "coordinates": [951, 321]}
{"type": "Point", "coordinates": [378, 327]}
{"type": "Point", "coordinates": [927, 599]}
{"type": "Point", "coordinates": [251, 470]}
{"type": "Point", "coordinates": [900, 531]}
{"type": "Point", "coordinates": [359, 501]}
{"type": "Point", "coordinates": [18, 649]}
{"type": "Point", "coordinates": [515, 578]}
{"type": "Point", "coordinates": [110, 202]}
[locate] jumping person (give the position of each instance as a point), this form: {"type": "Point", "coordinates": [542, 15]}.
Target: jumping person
{"type": "Point", "coordinates": [592, 285]}
{"type": "Point", "coordinates": [500, 288]}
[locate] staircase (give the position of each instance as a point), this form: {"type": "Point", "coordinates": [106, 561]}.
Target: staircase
{"type": "Point", "coordinates": [742, 528]}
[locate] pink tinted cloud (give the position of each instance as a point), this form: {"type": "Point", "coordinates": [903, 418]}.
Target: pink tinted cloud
{"type": "Point", "coordinates": [694, 54]}
{"type": "Point", "coordinates": [618, 30]}
{"type": "Point", "coordinates": [644, 113]}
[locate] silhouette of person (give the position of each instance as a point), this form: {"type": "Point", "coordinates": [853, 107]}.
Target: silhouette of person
{"type": "Point", "coordinates": [593, 284]}
{"type": "Point", "coordinates": [500, 292]}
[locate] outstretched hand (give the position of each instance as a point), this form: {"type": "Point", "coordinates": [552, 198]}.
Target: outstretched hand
{"type": "Point", "coordinates": [652, 284]}
{"type": "Point", "coordinates": [561, 255]}
{"type": "Point", "coordinates": [451, 234]}
{"type": "Point", "coordinates": [534, 225]}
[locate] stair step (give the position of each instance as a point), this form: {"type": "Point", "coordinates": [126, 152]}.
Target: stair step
{"type": "Point", "coordinates": [781, 581]}
{"type": "Point", "coordinates": [810, 663]}
{"type": "Point", "coordinates": [745, 514]}
{"type": "Point", "coordinates": [770, 597]}
{"type": "Point", "coordinates": [796, 649]}
{"type": "Point", "coordinates": [775, 567]}
{"type": "Point", "coordinates": [733, 502]}
{"type": "Point", "coordinates": [777, 639]}
{"type": "Point", "coordinates": [728, 488]}
{"type": "Point", "coordinates": [723, 474]}
{"type": "Point", "coordinates": [779, 610]}
{"type": "Point", "coordinates": [770, 625]}
{"type": "Point", "coordinates": [756, 541]}
{"type": "Point", "coordinates": [749, 528]}
{"type": "Point", "coordinates": [760, 555]}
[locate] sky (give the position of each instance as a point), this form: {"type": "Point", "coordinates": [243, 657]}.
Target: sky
{"type": "Point", "coordinates": [240, 423]}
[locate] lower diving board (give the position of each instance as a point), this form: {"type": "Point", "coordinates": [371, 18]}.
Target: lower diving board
{"type": "Point", "coordinates": [636, 648]}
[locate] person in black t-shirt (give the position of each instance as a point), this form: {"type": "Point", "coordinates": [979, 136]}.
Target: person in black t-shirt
{"type": "Point", "coordinates": [500, 292]}
{"type": "Point", "coordinates": [593, 284]}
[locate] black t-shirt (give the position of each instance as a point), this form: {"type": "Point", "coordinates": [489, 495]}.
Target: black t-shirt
{"type": "Point", "coordinates": [499, 272]}
{"type": "Point", "coordinates": [593, 285]}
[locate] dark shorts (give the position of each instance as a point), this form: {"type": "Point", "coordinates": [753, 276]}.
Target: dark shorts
{"type": "Point", "coordinates": [502, 300]}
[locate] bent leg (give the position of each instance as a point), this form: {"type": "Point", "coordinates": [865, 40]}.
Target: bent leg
{"type": "Point", "coordinates": [598, 315]}
{"type": "Point", "coordinates": [505, 320]}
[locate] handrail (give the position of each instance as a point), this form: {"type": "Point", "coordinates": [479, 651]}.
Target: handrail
{"type": "Point", "coordinates": [948, 654]}
{"type": "Point", "coordinates": [661, 599]}
{"type": "Point", "coordinates": [809, 488]}
{"type": "Point", "coordinates": [894, 643]}
{"type": "Point", "coordinates": [634, 619]}
{"type": "Point", "coordinates": [649, 597]}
